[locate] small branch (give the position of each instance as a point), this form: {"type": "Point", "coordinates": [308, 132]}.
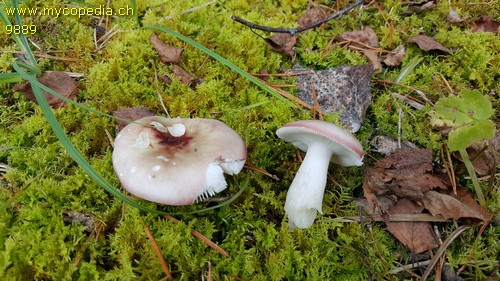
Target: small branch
{"type": "Point", "coordinates": [442, 250]}
{"type": "Point", "coordinates": [293, 31]}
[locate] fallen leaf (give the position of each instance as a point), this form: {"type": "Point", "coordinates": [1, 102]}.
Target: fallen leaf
{"type": "Point", "coordinates": [418, 236]}
{"type": "Point", "coordinates": [486, 24]}
{"type": "Point", "coordinates": [416, 8]}
{"type": "Point", "coordinates": [395, 57]}
{"type": "Point", "coordinates": [132, 114]}
{"type": "Point", "coordinates": [484, 156]}
{"type": "Point", "coordinates": [343, 89]}
{"type": "Point", "coordinates": [183, 76]}
{"type": "Point", "coordinates": [450, 206]}
{"type": "Point", "coordinates": [453, 17]}
{"type": "Point", "coordinates": [168, 54]}
{"type": "Point", "coordinates": [407, 173]}
{"type": "Point", "coordinates": [312, 15]}
{"type": "Point", "coordinates": [282, 43]}
{"type": "Point", "coordinates": [427, 43]}
{"type": "Point", "coordinates": [58, 81]}
{"type": "Point", "coordinates": [364, 41]}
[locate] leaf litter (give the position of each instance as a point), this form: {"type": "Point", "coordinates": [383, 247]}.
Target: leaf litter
{"type": "Point", "coordinates": [58, 81]}
{"type": "Point", "coordinates": [342, 89]}
{"type": "Point", "coordinates": [406, 182]}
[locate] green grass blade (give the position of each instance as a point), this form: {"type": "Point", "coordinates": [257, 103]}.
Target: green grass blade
{"type": "Point", "coordinates": [408, 69]}
{"type": "Point", "coordinates": [222, 60]}
{"type": "Point", "coordinates": [6, 78]}
{"type": "Point", "coordinates": [133, 5]}
{"type": "Point", "coordinates": [23, 42]}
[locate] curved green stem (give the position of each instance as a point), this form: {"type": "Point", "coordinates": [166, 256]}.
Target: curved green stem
{"type": "Point", "coordinates": [472, 173]}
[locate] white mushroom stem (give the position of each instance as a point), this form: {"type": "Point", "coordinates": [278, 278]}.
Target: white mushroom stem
{"type": "Point", "coordinates": [305, 196]}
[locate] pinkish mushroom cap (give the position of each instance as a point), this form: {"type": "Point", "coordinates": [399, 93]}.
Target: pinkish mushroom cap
{"type": "Point", "coordinates": [177, 161]}
{"type": "Point", "coordinates": [323, 142]}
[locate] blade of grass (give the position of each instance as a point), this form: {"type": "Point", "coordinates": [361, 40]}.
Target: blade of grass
{"type": "Point", "coordinates": [219, 58]}
{"type": "Point", "coordinates": [473, 176]}
{"type": "Point", "coordinates": [23, 42]}
{"type": "Point", "coordinates": [6, 78]}
{"type": "Point", "coordinates": [408, 69]}
{"type": "Point", "coordinates": [133, 5]}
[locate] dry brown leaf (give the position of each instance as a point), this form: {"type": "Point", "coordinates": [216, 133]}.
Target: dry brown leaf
{"type": "Point", "coordinates": [418, 236]}
{"type": "Point", "coordinates": [312, 15]}
{"type": "Point", "coordinates": [450, 206]}
{"type": "Point", "coordinates": [183, 76]}
{"type": "Point", "coordinates": [486, 24]}
{"type": "Point", "coordinates": [57, 81]}
{"type": "Point", "coordinates": [282, 43]}
{"type": "Point", "coordinates": [362, 40]}
{"type": "Point", "coordinates": [168, 54]}
{"type": "Point", "coordinates": [485, 159]}
{"type": "Point", "coordinates": [407, 173]}
{"type": "Point", "coordinates": [427, 43]}
{"type": "Point", "coordinates": [395, 57]}
{"type": "Point", "coordinates": [132, 114]}
{"type": "Point", "coordinates": [342, 89]}
{"type": "Point", "coordinates": [420, 7]}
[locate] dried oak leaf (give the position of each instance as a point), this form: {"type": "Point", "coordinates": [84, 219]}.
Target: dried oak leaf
{"type": "Point", "coordinates": [449, 206]}
{"type": "Point", "coordinates": [407, 173]}
{"type": "Point", "coordinates": [282, 43]}
{"type": "Point", "coordinates": [364, 41]}
{"type": "Point", "coordinates": [342, 89]}
{"type": "Point", "coordinates": [395, 57]}
{"type": "Point", "coordinates": [418, 236]}
{"type": "Point", "coordinates": [428, 43]}
{"type": "Point", "coordinates": [168, 54]}
{"type": "Point", "coordinates": [312, 15]}
{"type": "Point", "coordinates": [58, 81]}
{"type": "Point", "coordinates": [486, 24]}
{"type": "Point", "coordinates": [132, 114]}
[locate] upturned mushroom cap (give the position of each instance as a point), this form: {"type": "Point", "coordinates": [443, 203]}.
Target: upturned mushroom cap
{"type": "Point", "coordinates": [346, 149]}
{"type": "Point", "coordinates": [176, 161]}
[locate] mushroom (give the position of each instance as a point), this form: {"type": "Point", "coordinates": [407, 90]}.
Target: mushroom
{"type": "Point", "coordinates": [323, 142]}
{"type": "Point", "coordinates": [176, 161]}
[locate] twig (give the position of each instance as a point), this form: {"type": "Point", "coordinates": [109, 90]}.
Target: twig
{"type": "Point", "coordinates": [396, 218]}
{"type": "Point", "coordinates": [442, 249]}
{"type": "Point", "coordinates": [158, 252]}
{"type": "Point", "coordinates": [293, 31]}
{"type": "Point", "coordinates": [201, 237]}
{"type": "Point", "coordinates": [252, 167]}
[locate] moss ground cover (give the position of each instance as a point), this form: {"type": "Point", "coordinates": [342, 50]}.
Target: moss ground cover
{"type": "Point", "coordinates": [42, 183]}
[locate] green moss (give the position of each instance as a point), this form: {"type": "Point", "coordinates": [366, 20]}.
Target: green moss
{"type": "Point", "coordinates": [44, 181]}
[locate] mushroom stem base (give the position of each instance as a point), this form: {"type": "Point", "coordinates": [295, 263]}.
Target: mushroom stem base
{"type": "Point", "coordinates": [305, 196]}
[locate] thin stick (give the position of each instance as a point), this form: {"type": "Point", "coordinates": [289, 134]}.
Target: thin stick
{"type": "Point", "coordinates": [293, 31]}
{"type": "Point", "coordinates": [252, 167]}
{"type": "Point", "coordinates": [200, 237]}
{"type": "Point", "coordinates": [158, 252]}
{"type": "Point", "coordinates": [282, 74]}
{"type": "Point", "coordinates": [396, 218]}
{"type": "Point", "coordinates": [442, 250]}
